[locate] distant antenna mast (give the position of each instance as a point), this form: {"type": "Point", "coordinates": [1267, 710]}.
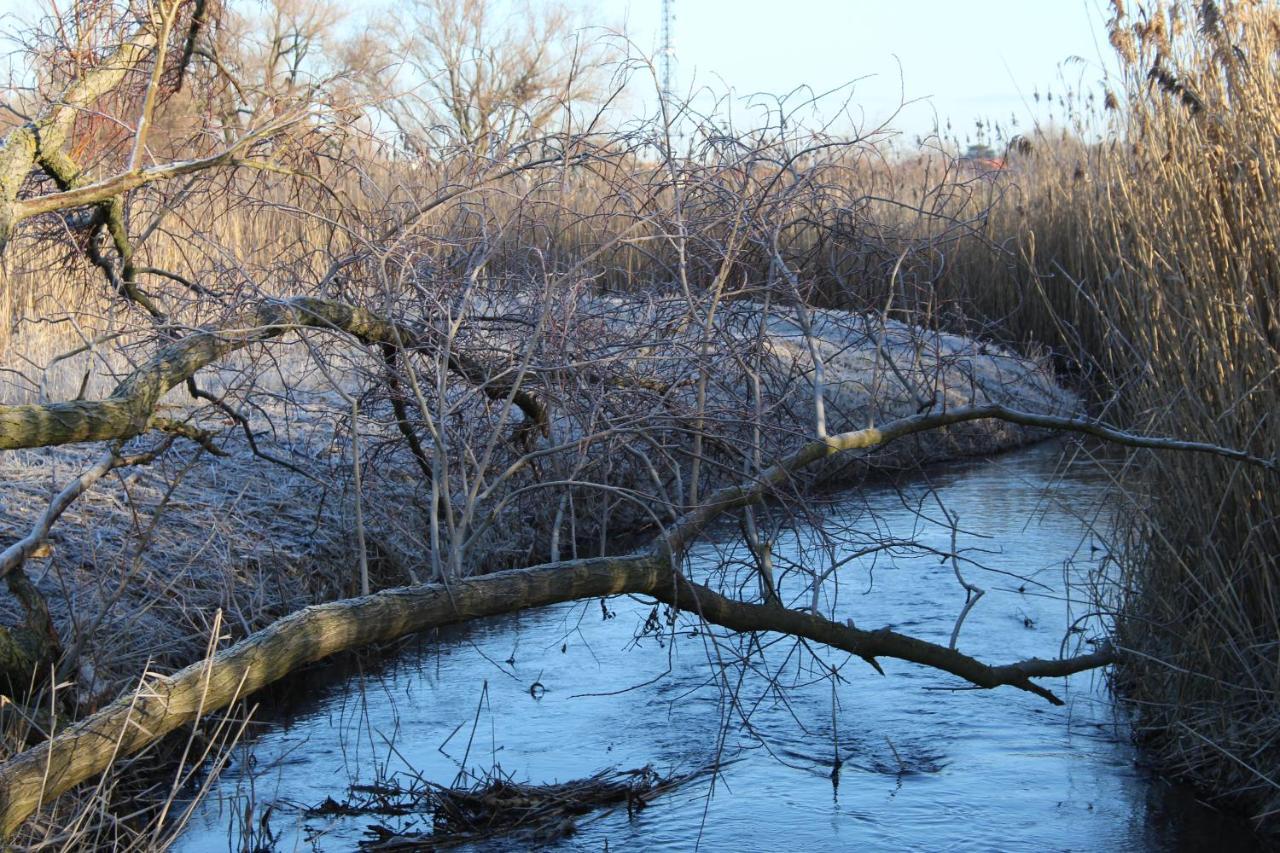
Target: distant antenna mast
{"type": "Point", "coordinates": [668, 53]}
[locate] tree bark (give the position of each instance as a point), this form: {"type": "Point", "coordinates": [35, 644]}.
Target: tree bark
{"type": "Point", "coordinates": [130, 408]}
{"type": "Point", "coordinates": [23, 145]}
{"type": "Point", "coordinates": [164, 703]}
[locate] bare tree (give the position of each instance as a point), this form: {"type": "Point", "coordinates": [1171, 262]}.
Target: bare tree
{"type": "Point", "coordinates": [286, 51]}
{"type": "Point", "coordinates": [486, 73]}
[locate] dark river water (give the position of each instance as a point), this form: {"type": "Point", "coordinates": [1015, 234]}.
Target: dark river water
{"type": "Point", "coordinates": [924, 766]}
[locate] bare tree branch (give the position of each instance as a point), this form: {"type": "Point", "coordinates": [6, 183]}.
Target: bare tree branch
{"type": "Point", "coordinates": [129, 409]}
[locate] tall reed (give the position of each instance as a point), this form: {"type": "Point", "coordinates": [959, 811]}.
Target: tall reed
{"type": "Point", "coordinates": [1151, 257]}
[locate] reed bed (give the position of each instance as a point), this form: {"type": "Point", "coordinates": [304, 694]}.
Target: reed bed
{"type": "Point", "coordinates": [1147, 259]}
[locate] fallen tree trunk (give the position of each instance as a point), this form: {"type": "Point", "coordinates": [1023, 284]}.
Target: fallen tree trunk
{"type": "Point", "coordinates": [163, 704]}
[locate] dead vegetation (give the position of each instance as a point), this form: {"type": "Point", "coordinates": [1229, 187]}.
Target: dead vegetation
{"type": "Point", "coordinates": [474, 370]}
{"type": "Point", "coordinates": [494, 806]}
{"type": "Point", "coordinates": [1141, 234]}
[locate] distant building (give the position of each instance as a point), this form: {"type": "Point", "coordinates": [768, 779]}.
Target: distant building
{"type": "Point", "coordinates": [981, 159]}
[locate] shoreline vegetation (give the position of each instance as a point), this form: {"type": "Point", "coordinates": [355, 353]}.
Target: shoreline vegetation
{"type": "Point", "coordinates": [273, 385]}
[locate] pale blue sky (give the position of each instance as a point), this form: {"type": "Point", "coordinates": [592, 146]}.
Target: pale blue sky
{"type": "Point", "coordinates": [957, 60]}
{"type": "Point", "coordinates": [963, 60]}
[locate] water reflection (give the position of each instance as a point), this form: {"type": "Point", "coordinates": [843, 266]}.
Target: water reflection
{"type": "Point", "coordinates": [924, 764]}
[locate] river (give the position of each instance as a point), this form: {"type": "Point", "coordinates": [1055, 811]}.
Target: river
{"type": "Point", "coordinates": [924, 766]}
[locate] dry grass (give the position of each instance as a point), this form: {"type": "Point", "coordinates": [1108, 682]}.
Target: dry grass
{"type": "Point", "coordinates": [1149, 260]}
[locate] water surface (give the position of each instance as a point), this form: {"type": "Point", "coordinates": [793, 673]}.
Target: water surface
{"type": "Point", "coordinates": [924, 765]}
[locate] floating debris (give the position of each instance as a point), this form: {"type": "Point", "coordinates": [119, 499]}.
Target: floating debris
{"type": "Point", "coordinates": [494, 806]}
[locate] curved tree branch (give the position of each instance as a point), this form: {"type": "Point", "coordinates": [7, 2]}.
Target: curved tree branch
{"type": "Point", "coordinates": [869, 645]}
{"type": "Point", "coordinates": [130, 408]}
{"type": "Point", "coordinates": [23, 145]}
{"type": "Point", "coordinates": [116, 185]}
{"type": "Point", "coordinates": [679, 536]}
